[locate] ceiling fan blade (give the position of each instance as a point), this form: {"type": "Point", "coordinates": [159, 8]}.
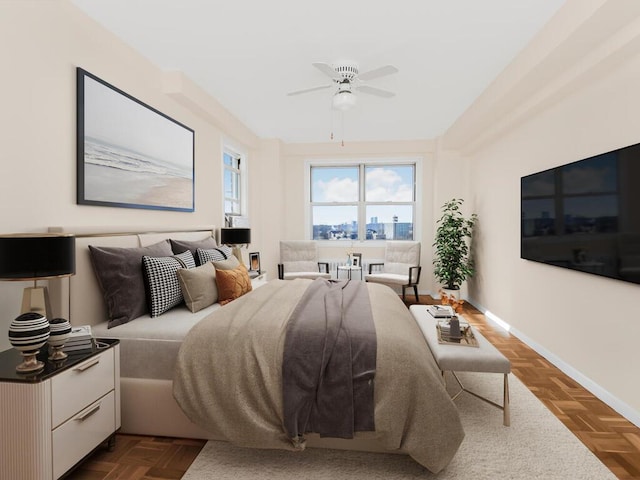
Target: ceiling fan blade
{"type": "Point", "coordinates": [327, 70]}
{"type": "Point", "coordinates": [306, 90]}
{"type": "Point", "coordinates": [375, 91]}
{"type": "Point", "coordinates": [378, 72]}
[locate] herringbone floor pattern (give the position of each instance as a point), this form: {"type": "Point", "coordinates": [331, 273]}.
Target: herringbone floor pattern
{"type": "Point", "coordinates": [613, 439]}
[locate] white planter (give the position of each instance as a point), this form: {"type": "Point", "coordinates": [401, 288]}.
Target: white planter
{"type": "Point", "coordinates": [452, 293]}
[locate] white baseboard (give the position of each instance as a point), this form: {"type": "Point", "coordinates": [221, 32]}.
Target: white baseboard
{"type": "Point", "coordinates": [618, 405]}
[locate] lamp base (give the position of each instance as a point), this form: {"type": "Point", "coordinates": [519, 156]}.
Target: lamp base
{"type": "Point", "coordinates": [238, 254]}
{"type": "Point", "coordinates": [30, 363]}
{"type": "Point", "coordinates": [36, 299]}
{"type": "Point", "coordinates": [56, 353]}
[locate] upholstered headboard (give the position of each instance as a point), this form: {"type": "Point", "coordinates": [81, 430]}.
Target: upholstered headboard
{"type": "Point", "coordinates": [78, 297]}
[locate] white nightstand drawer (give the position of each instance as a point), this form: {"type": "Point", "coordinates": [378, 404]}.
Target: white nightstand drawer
{"type": "Point", "coordinates": [81, 434]}
{"type": "Point", "coordinates": [259, 281]}
{"type": "Point", "coordinates": [74, 389]}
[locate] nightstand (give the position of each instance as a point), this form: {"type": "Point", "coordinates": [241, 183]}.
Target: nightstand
{"type": "Point", "coordinates": [258, 279]}
{"type": "Point", "coordinates": [53, 419]}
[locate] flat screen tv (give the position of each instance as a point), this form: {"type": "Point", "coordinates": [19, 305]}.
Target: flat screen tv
{"type": "Point", "coordinates": [585, 215]}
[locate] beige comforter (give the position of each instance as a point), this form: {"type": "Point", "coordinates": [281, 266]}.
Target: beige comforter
{"type": "Point", "coordinates": [228, 376]}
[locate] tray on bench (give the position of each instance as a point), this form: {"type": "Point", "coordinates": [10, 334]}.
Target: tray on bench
{"type": "Point", "coordinates": [467, 339]}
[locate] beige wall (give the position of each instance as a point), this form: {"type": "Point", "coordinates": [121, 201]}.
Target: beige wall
{"type": "Point", "coordinates": [41, 43]}
{"type": "Point", "coordinates": [596, 108]}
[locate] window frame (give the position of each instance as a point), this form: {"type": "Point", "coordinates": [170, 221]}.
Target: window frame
{"type": "Point", "coordinates": [241, 172]}
{"type": "Point", "coordinates": [361, 204]}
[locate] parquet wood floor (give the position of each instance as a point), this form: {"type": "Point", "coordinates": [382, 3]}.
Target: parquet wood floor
{"type": "Point", "coordinates": [612, 438]}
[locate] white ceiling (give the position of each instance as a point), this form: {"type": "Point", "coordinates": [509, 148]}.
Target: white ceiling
{"type": "Point", "coordinates": [249, 53]}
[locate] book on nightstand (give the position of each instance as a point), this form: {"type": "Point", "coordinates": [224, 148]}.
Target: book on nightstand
{"type": "Point", "coordinates": [79, 339]}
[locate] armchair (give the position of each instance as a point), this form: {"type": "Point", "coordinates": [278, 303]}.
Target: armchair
{"type": "Point", "coordinates": [299, 259]}
{"type": "Point", "coordinates": [401, 267]}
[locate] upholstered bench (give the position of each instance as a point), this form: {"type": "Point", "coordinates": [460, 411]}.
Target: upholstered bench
{"type": "Point", "coordinates": [457, 358]}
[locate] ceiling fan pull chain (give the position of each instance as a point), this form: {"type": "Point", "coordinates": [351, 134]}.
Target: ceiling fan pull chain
{"type": "Point", "coordinates": [331, 120]}
{"type": "Point", "coordinates": [342, 127]}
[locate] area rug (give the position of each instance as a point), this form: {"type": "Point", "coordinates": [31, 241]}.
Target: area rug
{"type": "Point", "coordinates": [536, 446]}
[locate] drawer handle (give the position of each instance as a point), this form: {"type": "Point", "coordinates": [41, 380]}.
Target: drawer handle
{"type": "Point", "coordinates": [83, 416]}
{"type": "Point", "coordinates": [87, 366]}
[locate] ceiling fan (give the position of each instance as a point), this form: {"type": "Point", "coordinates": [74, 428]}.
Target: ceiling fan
{"type": "Point", "coordinates": [347, 78]}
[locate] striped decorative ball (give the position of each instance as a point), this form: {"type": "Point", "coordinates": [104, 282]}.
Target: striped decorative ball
{"type": "Point", "coordinates": [29, 332]}
{"type": "Point", "coordinates": [60, 331]}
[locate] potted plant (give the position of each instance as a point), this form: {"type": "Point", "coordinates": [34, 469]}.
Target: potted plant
{"type": "Point", "coordinates": [452, 264]}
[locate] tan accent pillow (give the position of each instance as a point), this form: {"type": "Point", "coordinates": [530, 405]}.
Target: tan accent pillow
{"type": "Point", "coordinates": [228, 264]}
{"type": "Point", "coordinates": [232, 284]}
{"type": "Point", "coordinates": [198, 286]}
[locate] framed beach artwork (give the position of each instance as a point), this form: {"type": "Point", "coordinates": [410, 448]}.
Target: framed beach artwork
{"type": "Point", "coordinates": [130, 154]}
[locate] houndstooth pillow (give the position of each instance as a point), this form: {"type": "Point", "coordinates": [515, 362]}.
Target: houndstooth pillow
{"type": "Point", "coordinates": [162, 278]}
{"type": "Point", "coordinates": [213, 254]}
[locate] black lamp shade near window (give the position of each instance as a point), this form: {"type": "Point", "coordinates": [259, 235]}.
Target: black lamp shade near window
{"type": "Point", "coordinates": [235, 236]}
{"type": "Point", "coordinates": [33, 256]}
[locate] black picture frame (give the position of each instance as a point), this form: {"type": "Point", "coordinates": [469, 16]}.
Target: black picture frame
{"type": "Point", "coordinates": [254, 262]}
{"type": "Point", "coordinates": [129, 154]}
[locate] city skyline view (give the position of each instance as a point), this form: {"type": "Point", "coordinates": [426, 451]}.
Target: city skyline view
{"type": "Point", "coordinates": [384, 202]}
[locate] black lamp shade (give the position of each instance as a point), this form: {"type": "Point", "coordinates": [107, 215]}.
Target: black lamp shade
{"type": "Point", "coordinates": [235, 236]}
{"type": "Point", "coordinates": [30, 256]}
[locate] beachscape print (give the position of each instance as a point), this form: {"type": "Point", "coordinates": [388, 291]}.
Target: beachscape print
{"type": "Point", "coordinates": [132, 155]}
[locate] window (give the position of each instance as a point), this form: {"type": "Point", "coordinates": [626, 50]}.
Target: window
{"type": "Point", "coordinates": [233, 182]}
{"type": "Point", "coordinates": [363, 201]}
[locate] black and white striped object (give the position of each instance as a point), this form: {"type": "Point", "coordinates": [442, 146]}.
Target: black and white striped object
{"type": "Point", "coordinates": [29, 332]}
{"type": "Point", "coordinates": [162, 279]}
{"type": "Point", "coordinates": [212, 254]}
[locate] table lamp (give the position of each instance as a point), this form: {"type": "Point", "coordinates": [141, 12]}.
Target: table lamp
{"type": "Point", "coordinates": [236, 238]}
{"type": "Point", "coordinates": [36, 256]}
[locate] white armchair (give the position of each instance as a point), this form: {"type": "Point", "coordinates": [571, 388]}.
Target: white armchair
{"type": "Point", "coordinates": [401, 267]}
{"type": "Point", "coordinates": [299, 259]}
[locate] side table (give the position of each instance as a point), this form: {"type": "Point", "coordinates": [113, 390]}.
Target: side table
{"type": "Point", "coordinates": [53, 419]}
{"type": "Point", "coordinates": [348, 269]}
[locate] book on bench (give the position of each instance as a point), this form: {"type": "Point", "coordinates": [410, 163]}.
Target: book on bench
{"type": "Point", "coordinates": [440, 311]}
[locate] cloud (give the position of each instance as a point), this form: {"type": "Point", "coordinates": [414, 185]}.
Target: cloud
{"type": "Point", "coordinates": [337, 190]}
{"type": "Point", "coordinates": [384, 185]}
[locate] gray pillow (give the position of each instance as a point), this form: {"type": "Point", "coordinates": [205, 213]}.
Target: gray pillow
{"type": "Point", "coordinates": [120, 275]}
{"type": "Point", "coordinates": [179, 246]}
{"type": "Point", "coordinates": [198, 286]}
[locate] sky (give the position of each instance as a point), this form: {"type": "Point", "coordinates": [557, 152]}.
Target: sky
{"type": "Point", "coordinates": [383, 184]}
{"type": "Point", "coordinates": [115, 118]}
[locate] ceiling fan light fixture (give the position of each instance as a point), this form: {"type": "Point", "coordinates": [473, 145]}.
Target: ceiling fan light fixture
{"type": "Point", "coordinates": [344, 101]}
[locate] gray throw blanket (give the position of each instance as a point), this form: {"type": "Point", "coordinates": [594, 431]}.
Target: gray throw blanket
{"type": "Point", "coordinates": [329, 362]}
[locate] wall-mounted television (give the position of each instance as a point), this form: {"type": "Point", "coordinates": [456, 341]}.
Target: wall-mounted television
{"type": "Point", "coordinates": [585, 215]}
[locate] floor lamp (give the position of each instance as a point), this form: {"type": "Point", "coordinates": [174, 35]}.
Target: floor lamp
{"type": "Point", "coordinates": [236, 238]}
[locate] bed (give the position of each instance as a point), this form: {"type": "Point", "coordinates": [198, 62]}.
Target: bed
{"type": "Point", "coordinates": [413, 412]}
